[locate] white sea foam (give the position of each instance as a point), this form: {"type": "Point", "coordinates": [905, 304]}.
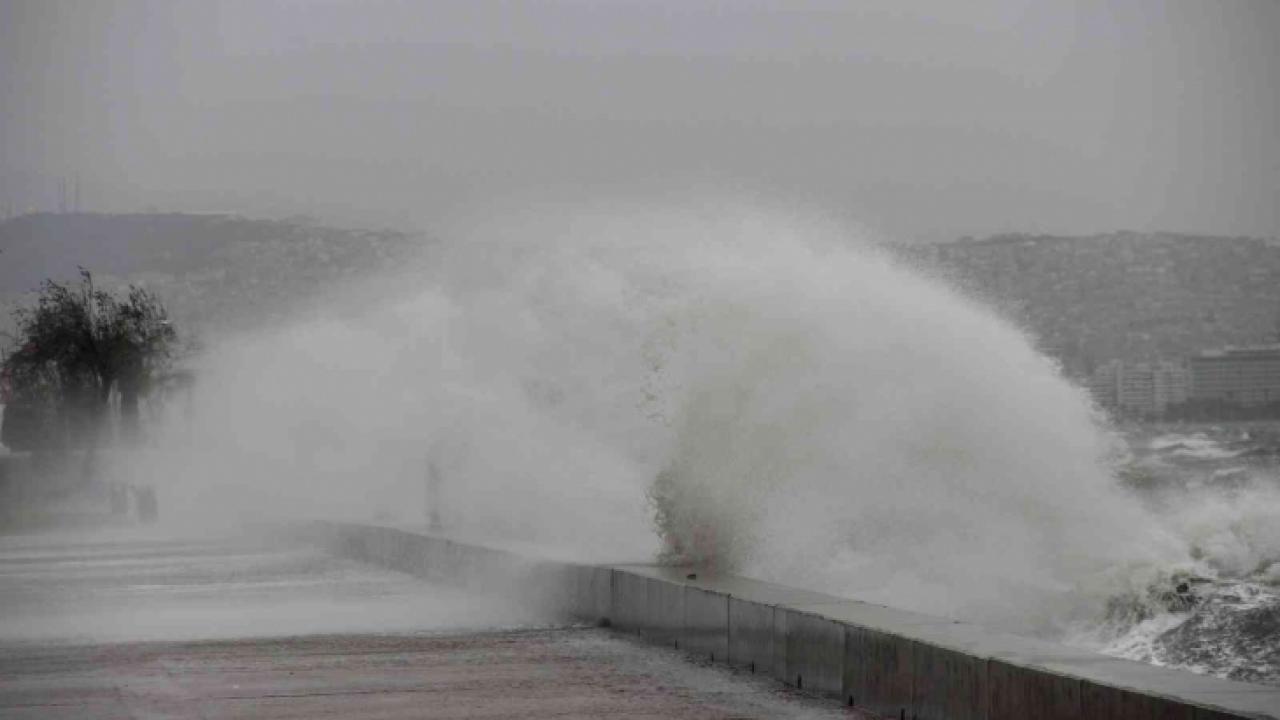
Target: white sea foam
{"type": "Point", "coordinates": [820, 415]}
{"type": "Point", "coordinates": [1196, 445]}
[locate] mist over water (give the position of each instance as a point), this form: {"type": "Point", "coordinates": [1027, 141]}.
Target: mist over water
{"type": "Point", "coordinates": [785, 399]}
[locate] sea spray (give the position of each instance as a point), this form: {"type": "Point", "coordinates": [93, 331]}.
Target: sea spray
{"type": "Point", "coordinates": [784, 399]}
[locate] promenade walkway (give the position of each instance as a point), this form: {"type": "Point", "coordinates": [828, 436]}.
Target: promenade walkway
{"type": "Point", "coordinates": [127, 625]}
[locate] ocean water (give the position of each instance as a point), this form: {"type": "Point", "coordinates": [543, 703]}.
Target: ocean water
{"type": "Point", "coordinates": [1217, 487]}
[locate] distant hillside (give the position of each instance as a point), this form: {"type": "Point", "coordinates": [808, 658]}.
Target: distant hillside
{"type": "Point", "coordinates": [1125, 295]}
{"type": "Point", "coordinates": [210, 270]}
{"type": "Point", "coordinates": [1087, 299]}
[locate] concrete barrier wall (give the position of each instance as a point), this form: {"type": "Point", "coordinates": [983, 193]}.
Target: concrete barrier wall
{"type": "Point", "coordinates": [894, 663]}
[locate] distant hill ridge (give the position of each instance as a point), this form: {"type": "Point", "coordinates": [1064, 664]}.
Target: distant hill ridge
{"type": "Point", "coordinates": [210, 269]}
{"type": "Point", "coordinates": [1122, 295]}
{"type": "Point", "coordinates": [1086, 299]}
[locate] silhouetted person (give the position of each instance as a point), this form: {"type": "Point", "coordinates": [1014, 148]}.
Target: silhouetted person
{"type": "Point", "coordinates": [148, 508]}
{"type": "Point", "coordinates": [119, 497]}
{"type": "Point", "coordinates": [433, 496]}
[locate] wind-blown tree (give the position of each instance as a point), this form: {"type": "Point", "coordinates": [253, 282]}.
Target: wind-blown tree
{"type": "Point", "coordinates": [73, 349]}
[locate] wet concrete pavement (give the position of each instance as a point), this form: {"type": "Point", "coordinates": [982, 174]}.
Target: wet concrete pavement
{"type": "Point", "coordinates": [551, 673]}
{"type": "Point", "coordinates": [133, 584]}
{"type": "Point", "coordinates": [128, 625]}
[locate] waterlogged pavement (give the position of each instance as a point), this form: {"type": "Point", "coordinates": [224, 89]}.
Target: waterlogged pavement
{"type": "Point", "coordinates": [128, 625]}
{"type": "Point", "coordinates": [571, 672]}
{"type": "Point", "coordinates": [136, 584]}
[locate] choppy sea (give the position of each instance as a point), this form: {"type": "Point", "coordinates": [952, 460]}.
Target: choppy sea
{"type": "Point", "coordinates": [1217, 488]}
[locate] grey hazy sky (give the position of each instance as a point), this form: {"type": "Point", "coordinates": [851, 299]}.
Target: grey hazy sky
{"type": "Point", "coordinates": [920, 119]}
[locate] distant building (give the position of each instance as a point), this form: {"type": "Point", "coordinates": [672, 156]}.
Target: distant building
{"type": "Point", "coordinates": [1136, 390]}
{"type": "Point", "coordinates": [1171, 385]}
{"type": "Point", "coordinates": [1242, 377]}
{"type": "Point", "coordinates": [1140, 389]}
{"type": "Point", "coordinates": [1103, 385]}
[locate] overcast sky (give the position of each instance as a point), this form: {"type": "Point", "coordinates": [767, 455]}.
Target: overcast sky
{"type": "Point", "coordinates": [922, 120]}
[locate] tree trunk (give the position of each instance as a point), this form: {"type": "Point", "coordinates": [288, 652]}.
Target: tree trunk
{"type": "Point", "coordinates": [129, 392]}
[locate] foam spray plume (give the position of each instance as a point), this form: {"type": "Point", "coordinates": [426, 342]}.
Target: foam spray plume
{"type": "Point", "coordinates": [785, 401]}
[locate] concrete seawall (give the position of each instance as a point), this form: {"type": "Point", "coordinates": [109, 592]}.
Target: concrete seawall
{"type": "Point", "coordinates": [895, 663]}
